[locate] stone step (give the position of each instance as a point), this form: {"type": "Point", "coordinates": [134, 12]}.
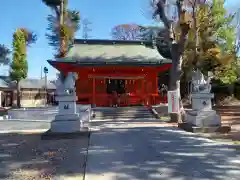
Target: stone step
{"type": "Point", "coordinates": [120, 113]}
{"type": "Point", "coordinates": [124, 117]}
{"type": "Point", "coordinates": [123, 113]}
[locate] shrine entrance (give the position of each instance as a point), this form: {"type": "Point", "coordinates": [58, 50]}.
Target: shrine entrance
{"type": "Point", "coordinates": [131, 72]}
{"type": "Point", "coordinates": [129, 89]}
{"type": "Point", "coordinates": [117, 85]}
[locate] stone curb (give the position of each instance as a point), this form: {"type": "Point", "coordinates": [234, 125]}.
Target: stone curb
{"type": "Point", "coordinates": [155, 113]}
{"type": "Point", "coordinates": [24, 120]}
{"type": "Point", "coordinates": [34, 131]}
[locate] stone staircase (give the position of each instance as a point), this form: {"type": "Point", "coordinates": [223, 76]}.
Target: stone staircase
{"type": "Point", "coordinates": [122, 113]}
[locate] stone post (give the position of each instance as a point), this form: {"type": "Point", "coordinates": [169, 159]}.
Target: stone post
{"type": "Point", "coordinates": [68, 119]}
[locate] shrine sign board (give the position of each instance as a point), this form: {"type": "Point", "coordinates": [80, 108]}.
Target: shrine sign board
{"type": "Point", "coordinates": [173, 101]}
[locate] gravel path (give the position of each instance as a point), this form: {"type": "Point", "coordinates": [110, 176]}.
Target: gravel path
{"type": "Point", "coordinates": [121, 150]}
{"type": "Point", "coordinates": [27, 157]}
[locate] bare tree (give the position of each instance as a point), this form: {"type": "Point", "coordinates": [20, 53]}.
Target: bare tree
{"type": "Point", "coordinates": [86, 29]}
{"type": "Point", "coordinates": [126, 32]}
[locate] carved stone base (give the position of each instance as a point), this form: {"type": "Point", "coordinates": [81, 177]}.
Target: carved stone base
{"type": "Point", "coordinates": [195, 129]}
{"type": "Point", "coordinates": [67, 107]}
{"type": "Point", "coordinates": [67, 126]}
{"type": "Point", "coordinates": [203, 118]}
{"type": "Point", "coordinates": [70, 123]}
{"type": "Point", "coordinates": [202, 101]}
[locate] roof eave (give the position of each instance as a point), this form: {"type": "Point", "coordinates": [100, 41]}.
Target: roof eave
{"type": "Point", "coordinates": [116, 63]}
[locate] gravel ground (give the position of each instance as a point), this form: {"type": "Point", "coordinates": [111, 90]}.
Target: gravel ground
{"type": "Point", "coordinates": [27, 157]}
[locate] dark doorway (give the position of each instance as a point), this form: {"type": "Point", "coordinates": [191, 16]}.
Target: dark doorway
{"type": "Point", "coordinates": [117, 85]}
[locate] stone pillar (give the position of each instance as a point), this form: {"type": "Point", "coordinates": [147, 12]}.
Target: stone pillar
{"type": "Point", "coordinates": [68, 119]}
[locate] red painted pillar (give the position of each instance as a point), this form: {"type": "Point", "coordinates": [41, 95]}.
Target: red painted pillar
{"type": "Point", "coordinates": [156, 89]}
{"type": "Point", "coordinates": [156, 83]}
{"type": "Point", "coordinates": [143, 92]}
{"type": "Point", "coordinates": [94, 91]}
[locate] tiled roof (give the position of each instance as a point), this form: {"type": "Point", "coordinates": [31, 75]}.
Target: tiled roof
{"type": "Point", "coordinates": [26, 83]}
{"type": "Point", "coordinates": [95, 51]}
{"type": "Point", "coordinates": [36, 83]}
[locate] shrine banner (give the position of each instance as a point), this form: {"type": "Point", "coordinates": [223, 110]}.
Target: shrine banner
{"type": "Point", "coordinates": [173, 101]}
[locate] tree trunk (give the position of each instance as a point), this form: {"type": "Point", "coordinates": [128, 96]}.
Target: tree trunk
{"type": "Point", "coordinates": [175, 76]}
{"type": "Point", "coordinates": [18, 95]}
{"type": "Point", "coordinates": [62, 43]}
{"type": "Point", "coordinates": [231, 88]}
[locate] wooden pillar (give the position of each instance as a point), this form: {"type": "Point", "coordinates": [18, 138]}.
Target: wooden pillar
{"type": "Point", "coordinates": [143, 92]}
{"type": "Point", "coordinates": [94, 92]}
{"type": "Point", "coordinates": [156, 84]}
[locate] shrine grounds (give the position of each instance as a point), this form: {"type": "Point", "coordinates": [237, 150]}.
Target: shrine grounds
{"type": "Point", "coordinates": [152, 150]}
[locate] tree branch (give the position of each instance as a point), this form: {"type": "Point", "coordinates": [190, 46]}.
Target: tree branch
{"type": "Point", "coordinates": [56, 10]}
{"type": "Point", "coordinates": [160, 11]}
{"type": "Point", "coordinates": [185, 26]}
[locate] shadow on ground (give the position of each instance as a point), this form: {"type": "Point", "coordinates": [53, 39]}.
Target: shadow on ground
{"type": "Point", "coordinates": [150, 153]}
{"type": "Point", "coordinates": [26, 157]}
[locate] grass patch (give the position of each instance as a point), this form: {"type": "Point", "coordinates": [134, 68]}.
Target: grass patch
{"type": "Point", "coordinates": [236, 142]}
{"type": "Point", "coordinates": [164, 118]}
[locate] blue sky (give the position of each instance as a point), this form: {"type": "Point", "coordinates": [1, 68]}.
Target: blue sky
{"type": "Point", "coordinates": [104, 14]}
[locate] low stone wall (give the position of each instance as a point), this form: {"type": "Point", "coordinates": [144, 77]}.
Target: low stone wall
{"type": "Point", "coordinates": [33, 113]}
{"type": "Point", "coordinates": [32, 102]}
{"type": "Point", "coordinates": [40, 113]}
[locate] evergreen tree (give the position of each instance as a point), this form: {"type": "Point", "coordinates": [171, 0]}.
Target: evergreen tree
{"type": "Point", "coordinates": [63, 24]}
{"type": "Point", "coordinates": [19, 66]}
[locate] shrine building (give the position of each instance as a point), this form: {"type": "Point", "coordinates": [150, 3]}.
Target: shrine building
{"type": "Point", "coordinates": [129, 68]}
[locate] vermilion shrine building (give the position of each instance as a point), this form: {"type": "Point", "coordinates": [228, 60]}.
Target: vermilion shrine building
{"type": "Point", "coordinates": [130, 68]}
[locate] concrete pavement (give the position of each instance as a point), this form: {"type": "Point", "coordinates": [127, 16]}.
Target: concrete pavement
{"type": "Point", "coordinates": [146, 150]}
{"type": "Point", "coordinates": [20, 125]}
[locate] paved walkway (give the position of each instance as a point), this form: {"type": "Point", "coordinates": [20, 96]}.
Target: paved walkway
{"type": "Point", "coordinates": [12, 125]}
{"type": "Point", "coordinates": [146, 150]}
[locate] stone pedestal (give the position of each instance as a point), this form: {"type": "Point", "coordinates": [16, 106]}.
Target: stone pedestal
{"type": "Point", "coordinates": [202, 115]}
{"type": "Point", "coordinates": [202, 101]}
{"type": "Point", "coordinates": [202, 118]}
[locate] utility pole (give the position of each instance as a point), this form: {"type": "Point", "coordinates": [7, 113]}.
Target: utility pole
{"type": "Point", "coordinates": [41, 72]}
{"type": "Point", "coordinates": [62, 12]}
{"type": "Point", "coordinates": [86, 28]}
{"type": "Point", "coordinates": [45, 70]}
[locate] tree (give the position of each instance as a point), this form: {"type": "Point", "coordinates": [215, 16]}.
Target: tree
{"type": "Point", "coordinates": [126, 32]}
{"type": "Point", "coordinates": [216, 48]}
{"type": "Point", "coordinates": [199, 38]}
{"type": "Point", "coordinates": [63, 24]}
{"type": "Point", "coordinates": [4, 53]}
{"type": "Point", "coordinates": [210, 34]}
{"type": "Point", "coordinates": [238, 31]}
{"type": "Point", "coordinates": [176, 42]}
{"type": "Point", "coordinates": [19, 67]}
{"type": "Point", "coordinates": [145, 33]}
